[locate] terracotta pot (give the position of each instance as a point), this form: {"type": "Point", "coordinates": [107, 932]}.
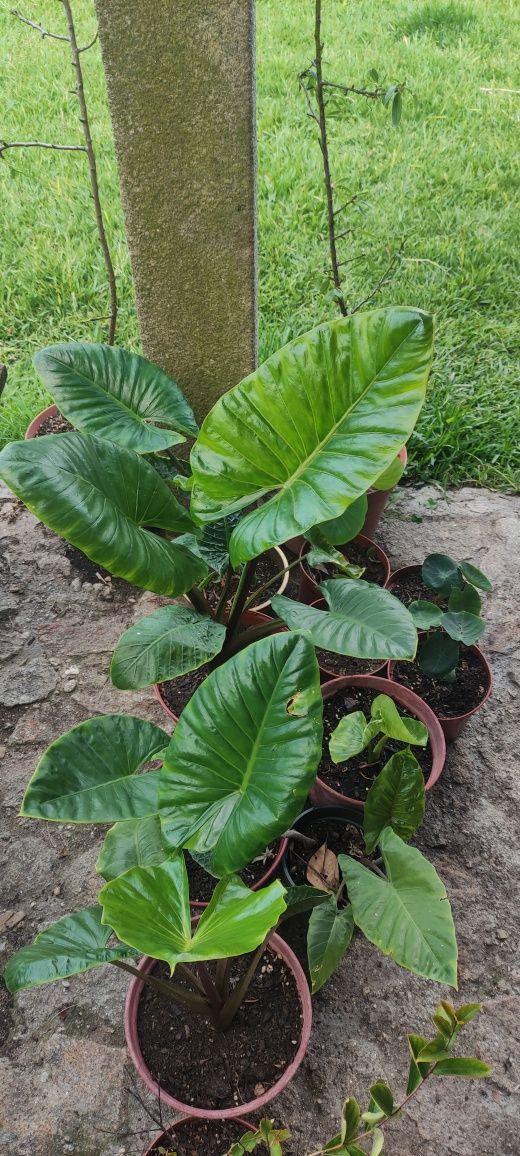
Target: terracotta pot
{"type": "Point", "coordinates": [327, 675]}
{"type": "Point", "coordinates": [279, 947]}
{"type": "Point", "coordinates": [241, 1125]}
{"type": "Point", "coordinates": [343, 813]}
{"type": "Point", "coordinates": [453, 725]}
{"type": "Point", "coordinates": [268, 874]}
{"type": "Point", "coordinates": [34, 425]}
{"type": "Point", "coordinates": [377, 500]}
{"type": "Point", "coordinates": [406, 572]}
{"type": "Point", "coordinates": [249, 618]}
{"type": "Point", "coordinates": [309, 591]}
{"type": "Point", "coordinates": [321, 794]}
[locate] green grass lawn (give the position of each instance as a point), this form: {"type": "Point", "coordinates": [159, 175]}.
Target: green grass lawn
{"type": "Point", "coordinates": [445, 182]}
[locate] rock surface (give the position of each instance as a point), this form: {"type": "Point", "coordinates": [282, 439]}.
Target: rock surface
{"type": "Point", "coordinates": [66, 1083]}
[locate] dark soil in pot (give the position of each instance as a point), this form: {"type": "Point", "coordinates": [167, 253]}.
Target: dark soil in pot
{"type": "Point", "coordinates": [343, 838]}
{"type": "Point", "coordinates": [54, 424]}
{"type": "Point", "coordinates": [356, 781]}
{"type": "Point", "coordinates": [447, 699]}
{"type": "Point", "coordinates": [267, 567]}
{"type": "Point", "coordinates": [358, 555]}
{"type": "Point", "coordinates": [343, 664]}
{"type": "Point", "coordinates": [411, 588]}
{"type": "Point", "coordinates": [201, 1138]}
{"type": "Point", "coordinates": [203, 885]}
{"type": "Point", "coordinates": [177, 692]}
{"type": "Point", "coordinates": [217, 1070]}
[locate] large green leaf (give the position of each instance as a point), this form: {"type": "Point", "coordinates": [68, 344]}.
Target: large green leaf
{"type": "Point", "coordinates": [74, 944]}
{"type": "Point", "coordinates": [401, 728]}
{"type": "Point", "coordinates": [115, 394]}
{"type": "Point", "coordinates": [136, 843]}
{"type": "Point", "coordinates": [407, 915]}
{"type": "Point", "coordinates": [391, 476]}
{"type": "Point", "coordinates": [149, 907]}
{"type": "Point", "coordinates": [363, 621]}
{"type": "Point", "coordinates": [101, 497]}
{"type": "Point", "coordinates": [244, 753]}
{"type": "Point", "coordinates": [347, 525]}
{"type": "Point", "coordinates": [396, 799]}
{"type": "Point", "coordinates": [314, 426]}
{"type": "Point", "coordinates": [330, 932]}
{"type": "Point", "coordinates": [89, 774]}
{"type": "Point", "coordinates": [169, 642]}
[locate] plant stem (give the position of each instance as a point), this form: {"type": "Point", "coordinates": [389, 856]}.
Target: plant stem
{"type": "Point", "coordinates": [221, 607]}
{"type": "Point", "coordinates": [237, 997]}
{"type": "Point", "coordinates": [270, 581]}
{"type": "Point", "coordinates": [188, 999]}
{"type": "Point", "coordinates": [212, 994]}
{"type": "Point", "coordinates": [324, 145]}
{"type": "Point", "coordinates": [243, 589]}
{"type": "Point", "coordinates": [253, 634]}
{"type": "Point", "coordinates": [199, 602]}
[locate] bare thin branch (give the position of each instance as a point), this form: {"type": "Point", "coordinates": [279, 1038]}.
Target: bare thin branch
{"type": "Point", "coordinates": [44, 33]}
{"type": "Point", "coordinates": [384, 280]}
{"type": "Point", "coordinates": [324, 145]}
{"type": "Point", "coordinates": [39, 144]}
{"type": "Point", "coordinates": [90, 44]}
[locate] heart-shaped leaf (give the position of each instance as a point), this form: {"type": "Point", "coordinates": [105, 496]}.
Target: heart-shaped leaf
{"type": "Point", "coordinates": [348, 739]}
{"type": "Point", "coordinates": [463, 627]}
{"type": "Point", "coordinates": [116, 395]}
{"type": "Point", "coordinates": [74, 944]}
{"type": "Point", "coordinates": [465, 599]}
{"type": "Point", "coordinates": [438, 655]}
{"type": "Point", "coordinates": [440, 572]}
{"type": "Point", "coordinates": [407, 915]}
{"type": "Point", "coordinates": [330, 932]}
{"type": "Point", "coordinates": [363, 621]}
{"type": "Point", "coordinates": [165, 644]}
{"type": "Point", "coordinates": [425, 614]}
{"type": "Point", "coordinates": [314, 426]}
{"type": "Point", "coordinates": [134, 843]}
{"type": "Point", "coordinates": [101, 498]}
{"type": "Point", "coordinates": [395, 726]}
{"type": "Point", "coordinates": [89, 774]}
{"type": "Point", "coordinates": [149, 907]}
{"type": "Point", "coordinates": [244, 754]}
{"type": "Point", "coordinates": [475, 576]}
{"type": "Point", "coordinates": [396, 799]}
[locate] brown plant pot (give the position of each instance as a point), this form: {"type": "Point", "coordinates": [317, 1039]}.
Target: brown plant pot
{"type": "Point", "coordinates": [324, 796]}
{"type": "Point", "coordinates": [309, 591]}
{"type": "Point", "coordinates": [327, 675]}
{"type": "Point", "coordinates": [405, 572]}
{"type": "Point", "coordinates": [34, 425]}
{"type": "Point", "coordinates": [377, 501]}
{"type": "Point", "coordinates": [166, 1137]}
{"type": "Point", "coordinates": [453, 725]}
{"type": "Point", "coordinates": [279, 947]}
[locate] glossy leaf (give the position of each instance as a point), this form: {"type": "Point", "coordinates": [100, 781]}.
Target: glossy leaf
{"type": "Point", "coordinates": [314, 426]}
{"type": "Point", "coordinates": [329, 935]}
{"type": "Point", "coordinates": [463, 627]}
{"type": "Point", "coordinates": [350, 1118]}
{"type": "Point", "coordinates": [302, 899]}
{"type": "Point", "coordinates": [136, 843]}
{"type": "Point", "coordinates": [244, 753]}
{"type": "Point", "coordinates": [74, 944]}
{"type": "Point", "coordinates": [391, 476]}
{"type": "Point", "coordinates": [417, 1070]}
{"type": "Point", "coordinates": [214, 543]}
{"type": "Point", "coordinates": [475, 576]}
{"type": "Point", "coordinates": [467, 1012]}
{"type": "Point", "coordinates": [407, 915]}
{"type": "Point", "coordinates": [438, 655]}
{"type": "Point", "coordinates": [425, 614]}
{"type": "Point", "coordinates": [396, 799]}
{"type": "Point", "coordinates": [165, 644]}
{"type": "Point", "coordinates": [466, 599]}
{"type": "Point", "coordinates": [149, 908]}
{"type": "Point", "coordinates": [328, 556]}
{"type": "Point", "coordinates": [382, 1096]}
{"type": "Point", "coordinates": [363, 621]}
{"type": "Point", "coordinates": [347, 525]}
{"type": "Point", "coordinates": [463, 1066]}
{"type": "Point", "coordinates": [348, 738]}
{"type": "Point", "coordinates": [89, 774]}
{"type": "Point", "coordinates": [440, 572]}
{"type": "Point", "coordinates": [101, 498]}
{"type": "Point", "coordinates": [116, 395]}
{"type": "Point", "coordinates": [401, 728]}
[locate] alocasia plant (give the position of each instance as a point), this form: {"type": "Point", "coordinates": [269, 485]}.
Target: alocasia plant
{"type": "Point", "coordinates": [451, 617]}
{"type": "Point", "coordinates": [354, 733]}
{"type": "Point", "coordinates": [292, 448]}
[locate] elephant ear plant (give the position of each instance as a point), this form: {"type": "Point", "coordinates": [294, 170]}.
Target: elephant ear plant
{"type": "Point", "coordinates": [453, 616]}
{"type": "Point", "coordinates": [294, 446]}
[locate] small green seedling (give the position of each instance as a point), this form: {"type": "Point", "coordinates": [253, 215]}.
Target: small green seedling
{"type": "Point", "coordinates": [355, 734]}
{"type": "Point", "coordinates": [427, 1058]}
{"type": "Point", "coordinates": [453, 615]}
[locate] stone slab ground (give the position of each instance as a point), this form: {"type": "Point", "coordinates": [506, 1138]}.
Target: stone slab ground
{"type": "Point", "coordinates": [65, 1083]}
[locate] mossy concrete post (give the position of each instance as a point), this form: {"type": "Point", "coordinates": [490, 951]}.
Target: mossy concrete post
{"type": "Point", "coordinates": [181, 87]}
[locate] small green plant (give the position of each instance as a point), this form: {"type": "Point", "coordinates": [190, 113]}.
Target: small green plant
{"type": "Point", "coordinates": [354, 733]}
{"type": "Point", "coordinates": [453, 615]}
{"type": "Point", "coordinates": [428, 1058]}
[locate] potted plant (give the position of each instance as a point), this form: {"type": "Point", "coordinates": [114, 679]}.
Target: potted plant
{"type": "Point", "coordinates": [427, 1058]}
{"type": "Point", "coordinates": [338, 665]}
{"type": "Point", "coordinates": [449, 672]}
{"type": "Point", "coordinates": [190, 1134]}
{"type": "Point", "coordinates": [359, 558]}
{"type": "Point", "coordinates": [347, 770]}
{"type": "Point", "coordinates": [294, 445]}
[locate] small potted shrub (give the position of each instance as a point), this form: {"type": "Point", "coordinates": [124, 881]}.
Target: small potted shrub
{"type": "Point", "coordinates": [450, 672]}
{"type": "Point", "coordinates": [293, 446]}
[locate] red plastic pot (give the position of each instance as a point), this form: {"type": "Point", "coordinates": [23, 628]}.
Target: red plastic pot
{"type": "Point", "coordinates": [309, 588]}
{"type": "Point", "coordinates": [271, 870]}
{"type": "Point", "coordinates": [279, 947]}
{"type": "Point", "coordinates": [453, 725]}
{"type": "Point", "coordinates": [34, 425]}
{"type": "Point", "coordinates": [328, 675]}
{"type": "Point", "coordinates": [377, 500]}
{"type": "Point", "coordinates": [165, 1137]}
{"type": "Point", "coordinates": [324, 796]}
{"type": "Point", "coordinates": [249, 618]}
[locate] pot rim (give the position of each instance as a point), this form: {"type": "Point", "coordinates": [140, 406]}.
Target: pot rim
{"type": "Point", "coordinates": [34, 425]}
{"type": "Point", "coordinates": [334, 811]}
{"type": "Point", "coordinates": [246, 1124]}
{"type": "Point", "coordinates": [146, 963]}
{"type": "Point", "coordinates": [200, 904]}
{"type": "Point", "coordinates": [411, 702]}
{"type": "Point", "coordinates": [456, 718]}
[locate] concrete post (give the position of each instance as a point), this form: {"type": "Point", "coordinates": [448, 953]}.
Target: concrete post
{"type": "Point", "coordinates": [181, 86]}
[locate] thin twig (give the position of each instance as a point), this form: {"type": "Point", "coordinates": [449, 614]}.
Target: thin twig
{"type": "Point", "coordinates": [90, 44]}
{"type": "Point", "coordinates": [39, 144]}
{"type": "Point", "coordinates": [44, 33]}
{"type": "Point", "coordinates": [324, 145]}
{"type": "Point", "coordinates": [384, 280]}
{"type": "Point", "coordinates": [89, 147]}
